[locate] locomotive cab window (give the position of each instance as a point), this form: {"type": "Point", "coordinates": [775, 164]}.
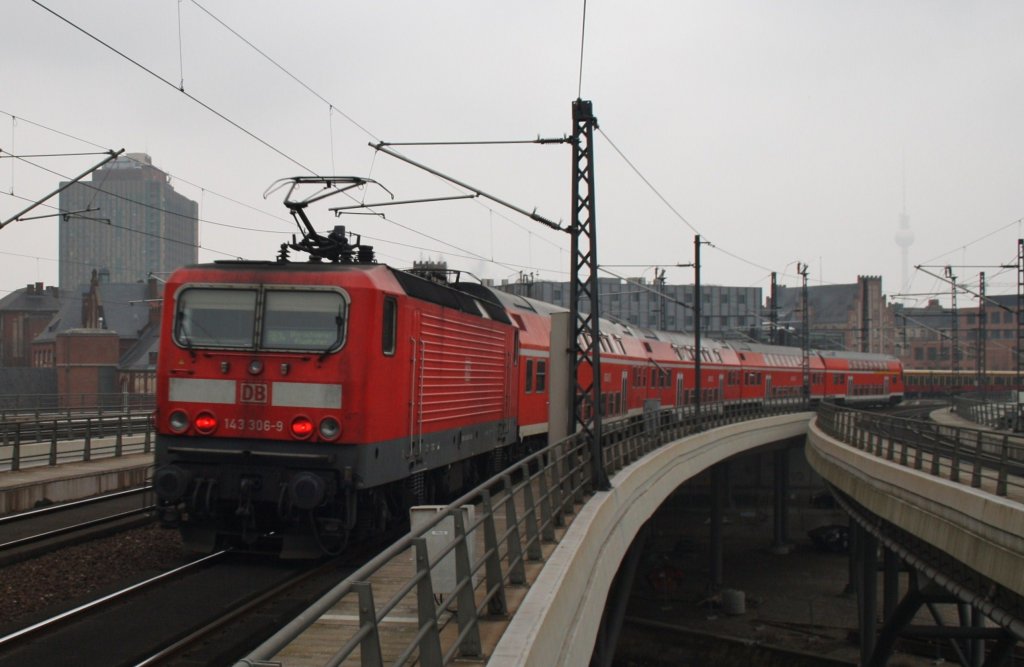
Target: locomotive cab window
{"type": "Point", "coordinates": [303, 320]}
{"type": "Point", "coordinates": [206, 317]}
{"type": "Point", "coordinates": [390, 326]}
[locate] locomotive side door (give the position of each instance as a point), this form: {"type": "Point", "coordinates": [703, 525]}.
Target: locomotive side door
{"type": "Point", "coordinates": [416, 389]}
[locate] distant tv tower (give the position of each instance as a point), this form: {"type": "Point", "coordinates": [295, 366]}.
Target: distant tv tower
{"type": "Point", "coordinates": [904, 237]}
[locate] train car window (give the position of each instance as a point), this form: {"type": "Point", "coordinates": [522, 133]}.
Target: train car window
{"type": "Point", "coordinates": [542, 371]}
{"type": "Point", "coordinates": [529, 375]}
{"type": "Point", "coordinates": [654, 377]}
{"type": "Point", "coordinates": [390, 326]}
{"type": "Point", "coordinates": [207, 317]}
{"type": "Point", "coordinates": [304, 320]}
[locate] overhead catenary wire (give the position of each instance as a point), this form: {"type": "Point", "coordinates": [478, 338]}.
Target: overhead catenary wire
{"type": "Point", "coordinates": [281, 67]}
{"type": "Point", "coordinates": [172, 176]}
{"type": "Point", "coordinates": [334, 107]}
{"type": "Point", "coordinates": [153, 207]}
{"type": "Point", "coordinates": [134, 231]}
{"type": "Point", "coordinates": [195, 99]}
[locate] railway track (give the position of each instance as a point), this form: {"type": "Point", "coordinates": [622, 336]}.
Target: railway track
{"type": "Point", "coordinates": [44, 529]}
{"type": "Point", "coordinates": [207, 612]}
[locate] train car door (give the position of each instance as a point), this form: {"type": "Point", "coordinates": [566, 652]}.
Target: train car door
{"type": "Point", "coordinates": [886, 388]}
{"type": "Point", "coordinates": [625, 392]}
{"type": "Point", "coordinates": [849, 386]}
{"type": "Point", "coordinates": [767, 388]}
{"type": "Point", "coordinates": [416, 394]}
{"type": "Point", "coordinates": [679, 389]}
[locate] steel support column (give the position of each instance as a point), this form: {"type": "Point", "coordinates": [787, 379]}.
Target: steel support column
{"type": "Point", "coordinates": [780, 537]}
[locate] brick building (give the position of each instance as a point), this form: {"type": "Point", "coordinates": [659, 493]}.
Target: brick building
{"type": "Point", "coordinates": [854, 316]}
{"type": "Point", "coordinates": [24, 314]}
{"type": "Point", "coordinates": [926, 335]}
{"type": "Point", "coordinates": [111, 328]}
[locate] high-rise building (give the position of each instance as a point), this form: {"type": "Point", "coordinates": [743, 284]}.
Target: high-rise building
{"type": "Point", "coordinates": [142, 225]}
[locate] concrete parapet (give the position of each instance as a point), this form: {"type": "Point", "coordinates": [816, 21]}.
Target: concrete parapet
{"type": "Point", "coordinates": [977, 528]}
{"type": "Point", "coordinates": [558, 620]}
{"type": "Point", "coordinates": [20, 491]}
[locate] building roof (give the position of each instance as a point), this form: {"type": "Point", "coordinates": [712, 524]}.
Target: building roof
{"type": "Point", "coordinates": [33, 298]}
{"type": "Point", "coordinates": [124, 311]}
{"type": "Point", "coordinates": [141, 355]}
{"type": "Point", "coordinates": [829, 303]}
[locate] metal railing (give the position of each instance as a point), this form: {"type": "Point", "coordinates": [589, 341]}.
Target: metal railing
{"type": "Point", "coordinates": [515, 513]}
{"type": "Point", "coordinates": [32, 442]}
{"type": "Point", "coordinates": [988, 460]}
{"type": "Point", "coordinates": [18, 407]}
{"type": "Point", "coordinates": [996, 411]}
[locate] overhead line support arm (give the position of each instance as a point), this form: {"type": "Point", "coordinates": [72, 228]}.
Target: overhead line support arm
{"type": "Point", "coordinates": [112, 155]}
{"type": "Point", "coordinates": [382, 147]}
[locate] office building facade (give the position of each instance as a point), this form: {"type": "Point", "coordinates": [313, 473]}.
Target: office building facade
{"type": "Point", "coordinates": [141, 225]}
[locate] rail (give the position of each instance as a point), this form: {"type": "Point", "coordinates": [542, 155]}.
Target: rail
{"type": "Point", "coordinates": [997, 411]}
{"type": "Point", "coordinates": [984, 459]}
{"type": "Point", "coordinates": [64, 439]}
{"type": "Point", "coordinates": [547, 485]}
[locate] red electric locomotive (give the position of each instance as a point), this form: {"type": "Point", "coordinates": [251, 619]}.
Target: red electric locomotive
{"type": "Point", "coordinates": [285, 390]}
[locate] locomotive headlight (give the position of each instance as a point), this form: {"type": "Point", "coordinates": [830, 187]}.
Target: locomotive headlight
{"type": "Point", "coordinates": [178, 421]}
{"type": "Point", "coordinates": [329, 428]}
{"type": "Point", "coordinates": [255, 367]}
{"type": "Point", "coordinates": [205, 423]}
{"type": "Point", "coordinates": [302, 427]}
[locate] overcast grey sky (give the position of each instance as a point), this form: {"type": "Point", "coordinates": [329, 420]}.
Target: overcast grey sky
{"type": "Point", "coordinates": [781, 131]}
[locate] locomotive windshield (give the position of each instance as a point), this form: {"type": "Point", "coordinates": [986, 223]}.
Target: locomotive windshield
{"type": "Point", "coordinates": [216, 317]}
{"type": "Point", "coordinates": [301, 320]}
{"type": "Point", "coordinates": [261, 318]}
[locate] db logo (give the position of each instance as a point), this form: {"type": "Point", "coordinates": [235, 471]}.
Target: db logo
{"type": "Point", "coordinates": [253, 392]}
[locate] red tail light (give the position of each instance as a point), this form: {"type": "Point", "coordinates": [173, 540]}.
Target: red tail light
{"type": "Point", "coordinates": [302, 427]}
{"type": "Point", "coordinates": [205, 423]}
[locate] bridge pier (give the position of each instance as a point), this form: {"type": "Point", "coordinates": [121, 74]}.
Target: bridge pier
{"type": "Point", "coordinates": [780, 533]}
{"type": "Point", "coordinates": [866, 569]}
{"type": "Point", "coordinates": [719, 484]}
{"type": "Point", "coordinates": [618, 600]}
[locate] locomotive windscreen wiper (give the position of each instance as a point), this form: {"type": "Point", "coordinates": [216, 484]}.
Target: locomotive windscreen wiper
{"type": "Point", "coordinates": [184, 336]}
{"type": "Point", "coordinates": [339, 322]}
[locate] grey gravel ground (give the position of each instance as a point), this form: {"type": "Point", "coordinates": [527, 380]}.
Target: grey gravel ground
{"type": "Point", "coordinates": [69, 576]}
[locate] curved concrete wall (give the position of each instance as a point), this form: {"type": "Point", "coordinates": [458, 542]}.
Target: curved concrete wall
{"type": "Point", "coordinates": [975, 527]}
{"type": "Point", "coordinates": [559, 618]}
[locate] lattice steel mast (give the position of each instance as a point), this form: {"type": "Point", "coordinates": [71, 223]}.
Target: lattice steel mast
{"type": "Point", "coordinates": [805, 332]}
{"type": "Point", "coordinates": [1019, 426]}
{"type": "Point", "coordinates": [586, 328]}
{"type": "Point", "coordinates": [955, 333]}
{"type": "Point", "coordinates": [982, 333]}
